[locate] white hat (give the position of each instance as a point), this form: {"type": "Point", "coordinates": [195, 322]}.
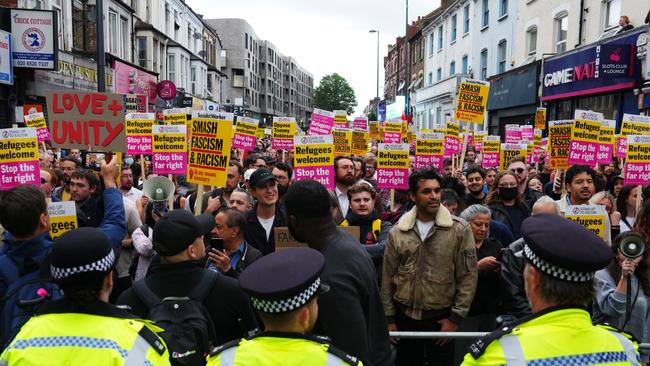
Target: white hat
{"type": "Point", "coordinates": [248, 173]}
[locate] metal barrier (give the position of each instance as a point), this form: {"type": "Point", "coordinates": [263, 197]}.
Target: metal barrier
{"type": "Point", "coordinates": [463, 335]}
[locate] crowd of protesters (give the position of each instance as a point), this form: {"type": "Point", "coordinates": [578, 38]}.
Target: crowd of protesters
{"type": "Point", "coordinates": [439, 256]}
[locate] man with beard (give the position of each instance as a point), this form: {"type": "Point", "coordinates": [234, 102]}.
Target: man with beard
{"type": "Point", "coordinates": [267, 214]}
{"type": "Point", "coordinates": [283, 174]}
{"type": "Point", "coordinates": [233, 179]}
{"type": "Point", "coordinates": [373, 232]}
{"type": "Point", "coordinates": [344, 178]}
{"type": "Point", "coordinates": [475, 185]}
{"type": "Point", "coordinates": [350, 313]}
{"type": "Point", "coordinates": [579, 181]}
{"type": "Point", "coordinates": [429, 275]}
{"type": "Point", "coordinates": [126, 185]}
{"type": "Point", "coordinates": [519, 169]}
{"type": "Point", "coordinates": [68, 166]}
{"type": "Point", "coordinates": [359, 168]}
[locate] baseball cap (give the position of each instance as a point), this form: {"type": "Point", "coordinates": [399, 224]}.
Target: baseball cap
{"type": "Point", "coordinates": [248, 173]}
{"type": "Point", "coordinates": [260, 177]}
{"type": "Point", "coordinates": [177, 229]}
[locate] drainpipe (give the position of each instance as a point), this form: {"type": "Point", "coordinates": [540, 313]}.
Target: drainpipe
{"type": "Point", "coordinates": [580, 23]}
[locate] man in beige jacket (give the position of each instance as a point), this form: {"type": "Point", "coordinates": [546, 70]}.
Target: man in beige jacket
{"type": "Point", "coordinates": [429, 274]}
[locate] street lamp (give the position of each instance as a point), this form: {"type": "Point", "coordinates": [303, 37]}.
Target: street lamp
{"type": "Point", "coordinates": [377, 96]}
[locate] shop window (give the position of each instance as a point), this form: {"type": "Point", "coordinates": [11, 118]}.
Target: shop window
{"type": "Point", "coordinates": [605, 104]}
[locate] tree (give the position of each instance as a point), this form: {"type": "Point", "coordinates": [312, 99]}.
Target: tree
{"type": "Point", "coordinates": [334, 93]}
{"type": "Point", "coordinates": [372, 116]}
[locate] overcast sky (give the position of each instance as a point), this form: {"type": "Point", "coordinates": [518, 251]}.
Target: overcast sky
{"type": "Point", "coordinates": [326, 36]}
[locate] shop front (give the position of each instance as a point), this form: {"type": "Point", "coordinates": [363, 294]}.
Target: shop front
{"type": "Point", "coordinates": [513, 98]}
{"type": "Point", "coordinates": [600, 77]}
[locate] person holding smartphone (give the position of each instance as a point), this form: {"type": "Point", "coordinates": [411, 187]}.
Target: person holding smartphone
{"type": "Point", "coordinates": [230, 253]}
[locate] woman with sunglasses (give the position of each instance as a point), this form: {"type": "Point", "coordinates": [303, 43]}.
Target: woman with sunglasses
{"type": "Point", "coordinates": [506, 204]}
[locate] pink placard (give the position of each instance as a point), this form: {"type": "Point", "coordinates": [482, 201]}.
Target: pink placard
{"type": "Point", "coordinates": [241, 141]}
{"type": "Point", "coordinates": [322, 174]}
{"type": "Point", "coordinates": [527, 133]}
{"type": "Point", "coordinates": [282, 144]}
{"type": "Point", "coordinates": [581, 152]}
{"type": "Point", "coordinates": [19, 174]}
{"type": "Point", "coordinates": [392, 137]}
{"type": "Point", "coordinates": [138, 144]}
{"type": "Point", "coordinates": [478, 146]}
{"type": "Point", "coordinates": [392, 178]}
{"type": "Point", "coordinates": [621, 147]}
{"type": "Point", "coordinates": [605, 153]}
{"type": "Point", "coordinates": [490, 160]}
{"type": "Point", "coordinates": [452, 146]}
{"type": "Point", "coordinates": [321, 123]}
{"type": "Point", "coordinates": [513, 136]}
{"type": "Point", "coordinates": [129, 80]}
{"type": "Point", "coordinates": [170, 163]}
{"type": "Point", "coordinates": [360, 124]}
{"type": "Point", "coordinates": [637, 173]}
{"type": "Point", "coordinates": [425, 161]}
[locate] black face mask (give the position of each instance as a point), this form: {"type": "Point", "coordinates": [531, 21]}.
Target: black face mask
{"type": "Point", "coordinates": [508, 194]}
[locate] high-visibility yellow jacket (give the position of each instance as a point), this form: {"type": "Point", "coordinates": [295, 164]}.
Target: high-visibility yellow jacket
{"type": "Point", "coordinates": [556, 336]}
{"type": "Point", "coordinates": [57, 339]}
{"type": "Point", "coordinates": [287, 349]}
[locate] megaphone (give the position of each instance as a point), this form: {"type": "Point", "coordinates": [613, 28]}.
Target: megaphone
{"type": "Point", "coordinates": [632, 244]}
{"type": "Point", "coordinates": [159, 190]}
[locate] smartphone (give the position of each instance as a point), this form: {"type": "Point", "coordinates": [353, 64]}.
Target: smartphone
{"type": "Point", "coordinates": [216, 243]}
{"type": "Point", "coordinates": [502, 251]}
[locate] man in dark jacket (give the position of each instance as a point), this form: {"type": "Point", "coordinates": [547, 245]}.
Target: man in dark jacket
{"type": "Point", "coordinates": [236, 254]}
{"type": "Point", "coordinates": [373, 232]}
{"type": "Point", "coordinates": [351, 312]}
{"type": "Point", "coordinates": [178, 240]}
{"type": "Point", "coordinates": [23, 213]}
{"type": "Point", "coordinates": [267, 214]}
{"type": "Point", "coordinates": [519, 169]}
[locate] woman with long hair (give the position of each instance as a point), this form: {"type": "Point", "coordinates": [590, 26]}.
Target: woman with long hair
{"type": "Point", "coordinates": [610, 304]}
{"type": "Point", "coordinates": [626, 205]}
{"type": "Point", "coordinates": [506, 203]}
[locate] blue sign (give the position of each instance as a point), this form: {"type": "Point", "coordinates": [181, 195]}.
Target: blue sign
{"type": "Point", "coordinates": [382, 111]}
{"type": "Point", "coordinates": [6, 64]}
{"type": "Point", "coordinates": [605, 66]}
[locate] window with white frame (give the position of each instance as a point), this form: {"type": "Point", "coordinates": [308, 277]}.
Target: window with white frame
{"type": "Point", "coordinates": [483, 66]}
{"type": "Point", "coordinates": [466, 19]}
{"type": "Point", "coordinates": [113, 31]}
{"type": "Point", "coordinates": [611, 11]}
{"type": "Point", "coordinates": [440, 37]}
{"type": "Point", "coordinates": [155, 55]}
{"type": "Point", "coordinates": [531, 41]}
{"type": "Point", "coordinates": [193, 79]}
{"type": "Point", "coordinates": [486, 13]}
{"type": "Point", "coordinates": [501, 56]}
{"type": "Point", "coordinates": [561, 28]}
{"type": "Point", "coordinates": [57, 7]}
{"type": "Point", "coordinates": [171, 67]}
{"type": "Point", "coordinates": [503, 8]}
{"type": "Point", "coordinates": [142, 51]}
{"type": "Point", "coordinates": [465, 64]}
{"type": "Point", "coordinates": [431, 44]}
{"type": "Point", "coordinates": [439, 74]}
{"type": "Point", "coordinates": [454, 23]}
{"type": "Point", "coordinates": [430, 79]}
{"type": "Point", "coordinates": [125, 36]}
{"type": "Point", "coordinates": [452, 68]}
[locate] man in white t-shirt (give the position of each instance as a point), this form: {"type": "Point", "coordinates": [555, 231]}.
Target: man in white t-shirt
{"type": "Point", "coordinates": [126, 185]}
{"type": "Point", "coordinates": [430, 275]}
{"type": "Point", "coordinates": [267, 212]}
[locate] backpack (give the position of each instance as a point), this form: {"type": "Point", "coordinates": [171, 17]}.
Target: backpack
{"type": "Point", "coordinates": [188, 329]}
{"type": "Point", "coordinates": [24, 295]}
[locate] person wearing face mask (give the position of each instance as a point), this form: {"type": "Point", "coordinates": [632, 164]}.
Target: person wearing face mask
{"type": "Point", "coordinates": [506, 204]}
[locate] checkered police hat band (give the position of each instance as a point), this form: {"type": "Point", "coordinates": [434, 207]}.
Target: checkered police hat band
{"type": "Point", "coordinates": [286, 305]}
{"type": "Point", "coordinates": [555, 271]}
{"type": "Point", "coordinates": [102, 265]}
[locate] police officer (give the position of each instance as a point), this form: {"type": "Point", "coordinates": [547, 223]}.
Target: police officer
{"type": "Point", "coordinates": [283, 287]}
{"type": "Point", "coordinates": [82, 328]}
{"type": "Point", "coordinates": [561, 260]}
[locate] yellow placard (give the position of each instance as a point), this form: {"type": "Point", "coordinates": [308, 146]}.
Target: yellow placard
{"type": "Point", "coordinates": [260, 133]}
{"type": "Point", "coordinates": [491, 146]}
{"type": "Point", "coordinates": [18, 150]}
{"type": "Point", "coordinates": [63, 218]}
{"type": "Point", "coordinates": [559, 141]}
{"type": "Point", "coordinates": [209, 148]}
{"type": "Point", "coordinates": [315, 150]}
{"type": "Point", "coordinates": [393, 156]}
{"type": "Point", "coordinates": [452, 129]}
{"type": "Point", "coordinates": [635, 125]}
{"type": "Point", "coordinates": [374, 130]}
{"type": "Point", "coordinates": [246, 128]}
{"type": "Point", "coordinates": [175, 116]}
{"type": "Point", "coordinates": [471, 101]}
{"type": "Point", "coordinates": [540, 118]}
{"type": "Point", "coordinates": [342, 141]}
{"type": "Point", "coordinates": [169, 140]}
{"type": "Point", "coordinates": [340, 119]}
{"type": "Point", "coordinates": [36, 120]}
{"type": "Point", "coordinates": [585, 130]}
{"type": "Point", "coordinates": [592, 217]}
{"type": "Point", "coordinates": [360, 140]}
{"type": "Point", "coordinates": [509, 151]}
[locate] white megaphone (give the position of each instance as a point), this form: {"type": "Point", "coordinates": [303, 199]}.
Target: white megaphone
{"type": "Point", "coordinates": [159, 189]}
